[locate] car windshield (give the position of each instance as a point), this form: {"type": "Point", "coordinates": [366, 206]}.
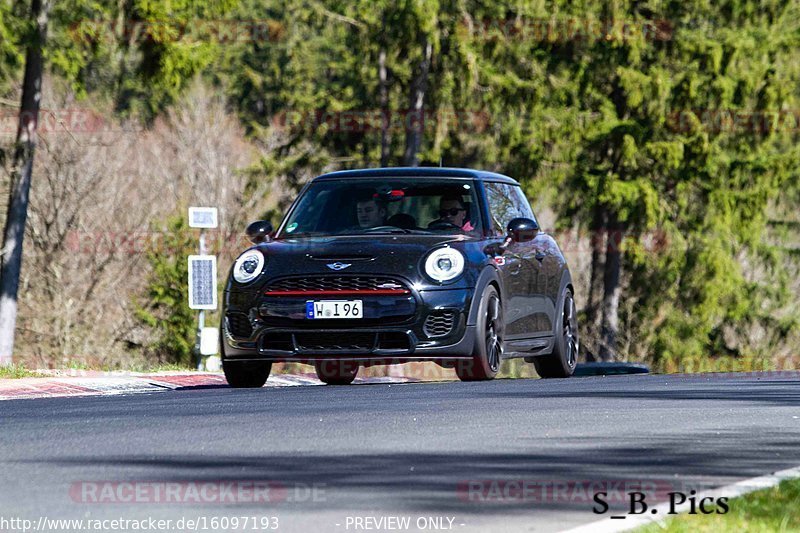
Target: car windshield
{"type": "Point", "coordinates": [394, 205]}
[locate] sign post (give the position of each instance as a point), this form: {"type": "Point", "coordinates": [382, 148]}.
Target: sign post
{"type": "Point", "coordinates": [203, 281]}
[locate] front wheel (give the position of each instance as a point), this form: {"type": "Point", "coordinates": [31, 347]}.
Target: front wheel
{"type": "Point", "coordinates": [335, 372]}
{"type": "Point", "coordinates": [561, 363]}
{"type": "Point", "coordinates": [246, 374]}
{"type": "Point", "coordinates": [485, 362]}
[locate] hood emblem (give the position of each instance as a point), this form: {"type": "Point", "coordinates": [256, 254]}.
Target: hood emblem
{"type": "Point", "coordinates": [337, 265]}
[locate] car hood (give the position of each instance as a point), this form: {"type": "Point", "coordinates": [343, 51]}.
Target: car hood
{"type": "Point", "coordinates": [377, 254]}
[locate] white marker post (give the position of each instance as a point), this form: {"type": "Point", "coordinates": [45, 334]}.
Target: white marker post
{"type": "Point", "coordinates": [203, 279]}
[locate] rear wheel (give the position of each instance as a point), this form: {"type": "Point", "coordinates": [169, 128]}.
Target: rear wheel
{"type": "Point", "coordinates": [246, 374]}
{"type": "Point", "coordinates": [485, 362]}
{"type": "Point", "coordinates": [561, 363]}
{"type": "Point", "coordinates": [335, 372]}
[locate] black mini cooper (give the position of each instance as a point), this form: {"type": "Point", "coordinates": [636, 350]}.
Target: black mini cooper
{"type": "Point", "coordinates": [393, 265]}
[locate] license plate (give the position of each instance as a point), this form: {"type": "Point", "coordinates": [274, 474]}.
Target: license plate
{"type": "Point", "coordinates": [334, 309]}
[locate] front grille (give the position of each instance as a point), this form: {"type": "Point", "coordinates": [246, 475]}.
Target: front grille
{"type": "Point", "coordinates": [339, 341]}
{"type": "Point", "coordinates": [439, 323]}
{"type": "Point", "coordinates": [337, 283]}
{"type": "Point", "coordinates": [239, 325]}
{"type": "Point", "coordinates": [346, 341]}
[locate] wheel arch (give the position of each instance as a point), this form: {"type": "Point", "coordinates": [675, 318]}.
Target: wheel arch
{"type": "Point", "coordinates": [566, 283]}
{"type": "Point", "coordinates": [489, 276]}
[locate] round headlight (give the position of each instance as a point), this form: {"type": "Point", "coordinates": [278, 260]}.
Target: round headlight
{"type": "Point", "coordinates": [444, 264]}
{"type": "Point", "coordinates": [248, 266]}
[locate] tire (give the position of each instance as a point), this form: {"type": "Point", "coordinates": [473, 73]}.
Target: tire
{"type": "Point", "coordinates": [561, 363]}
{"type": "Point", "coordinates": [488, 350]}
{"type": "Point", "coordinates": [336, 372]}
{"type": "Point", "coordinates": [246, 374]}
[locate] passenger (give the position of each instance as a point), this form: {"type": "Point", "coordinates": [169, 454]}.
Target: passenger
{"type": "Point", "coordinates": [371, 212]}
{"type": "Point", "coordinates": [452, 209]}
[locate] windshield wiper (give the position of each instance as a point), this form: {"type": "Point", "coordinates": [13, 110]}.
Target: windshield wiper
{"type": "Point", "coordinates": [301, 234]}
{"type": "Point", "coordinates": [382, 231]}
{"type": "Point", "coordinates": [406, 231]}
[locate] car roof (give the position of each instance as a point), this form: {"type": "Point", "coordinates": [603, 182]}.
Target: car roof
{"type": "Point", "coordinates": [422, 172]}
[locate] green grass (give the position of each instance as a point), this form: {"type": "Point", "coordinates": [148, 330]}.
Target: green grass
{"type": "Point", "coordinates": [16, 371]}
{"type": "Point", "coordinates": [775, 509]}
{"type": "Point", "coordinates": [705, 363]}
{"type": "Point", "coordinates": [159, 367]}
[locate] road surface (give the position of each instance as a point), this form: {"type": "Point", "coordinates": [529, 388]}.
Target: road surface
{"type": "Point", "coordinates": [507, 455]}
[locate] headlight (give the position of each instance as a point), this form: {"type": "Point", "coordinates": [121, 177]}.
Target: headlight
{"type": "Point", "coordinates": [248, 266]}
{"type": "Point", "coordinates": [444, 264]}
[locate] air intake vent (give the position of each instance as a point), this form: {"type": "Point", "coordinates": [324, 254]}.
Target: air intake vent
{"type": "Point", "coordinates": [439, 323]}
{"type": "Point", "coordinates": [239, 325]}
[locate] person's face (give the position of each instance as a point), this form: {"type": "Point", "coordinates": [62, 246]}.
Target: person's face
{"type": "Point", "coordinates": [448, 207]}
{"type": "Point", "coordinates": [369, 214]}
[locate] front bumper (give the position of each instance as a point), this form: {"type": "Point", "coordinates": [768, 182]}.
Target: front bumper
{"type": "Point", "coordinates": [394, 329]}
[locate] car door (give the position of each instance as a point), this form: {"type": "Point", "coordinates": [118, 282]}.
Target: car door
{"type": "Point", "coordinates": [543, 264]}
{"type": "Point", "coordinates": [521, 271]}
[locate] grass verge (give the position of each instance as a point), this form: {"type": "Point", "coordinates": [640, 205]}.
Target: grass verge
{"type": "Point", "coordinates": [16, 371]}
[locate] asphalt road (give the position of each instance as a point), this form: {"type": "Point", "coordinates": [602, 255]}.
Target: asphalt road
{"type": "Point", "coordinates": [508, 455]}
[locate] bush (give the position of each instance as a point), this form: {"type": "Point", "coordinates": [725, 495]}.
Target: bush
{"type": "Point", "coordinates": [167, 311]}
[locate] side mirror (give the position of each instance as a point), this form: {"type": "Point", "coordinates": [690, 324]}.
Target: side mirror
{"type": "Point", "coordinates": [259, 231]}
{"type": "Point", "coordinates": [522, 230]}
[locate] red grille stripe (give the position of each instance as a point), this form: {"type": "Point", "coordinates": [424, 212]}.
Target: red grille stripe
{"type": "Point", "coordinates": [345, 292]}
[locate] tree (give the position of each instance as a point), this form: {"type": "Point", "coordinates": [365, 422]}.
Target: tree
{"type": "Point", "coordinates": [10, 54]}
{"type": "Point", "coordinates": [140, 54]}
{"type": "Point", "coordinates": [615, 114]}
{"type": "Point", "coordinates": [21, 170]}
{"type": "Point", "coordinates": [682, 147]}
{"type": "Point", "coordinates": [166, 309]}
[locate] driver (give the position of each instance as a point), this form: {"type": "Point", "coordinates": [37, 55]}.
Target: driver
{"type": "Point", "coordinates": [453, 210]}
{"type": "Point", "coordinates": [371, 212]}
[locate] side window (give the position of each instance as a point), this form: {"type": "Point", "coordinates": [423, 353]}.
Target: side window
{"type": "Point", "coordinates": [501, 207]}
{"type": "Point", "coordinates": [506, 202]}
{"type": "Point", "coordinates": [524, 208]}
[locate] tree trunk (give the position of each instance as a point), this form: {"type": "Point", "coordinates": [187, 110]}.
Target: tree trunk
{"type": "Point", "coordinates": [121, 31]}
{"type": "Point", "coordinates": [415, 121]}
{"type": "Point", "coordinates": [611, 293]}
{"type": "Point", "coordinates": [22, 167]}
{"type": "Point", "coordinates": [598, 242]}
{"type": "Point", "coordinates": [386, 119]}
